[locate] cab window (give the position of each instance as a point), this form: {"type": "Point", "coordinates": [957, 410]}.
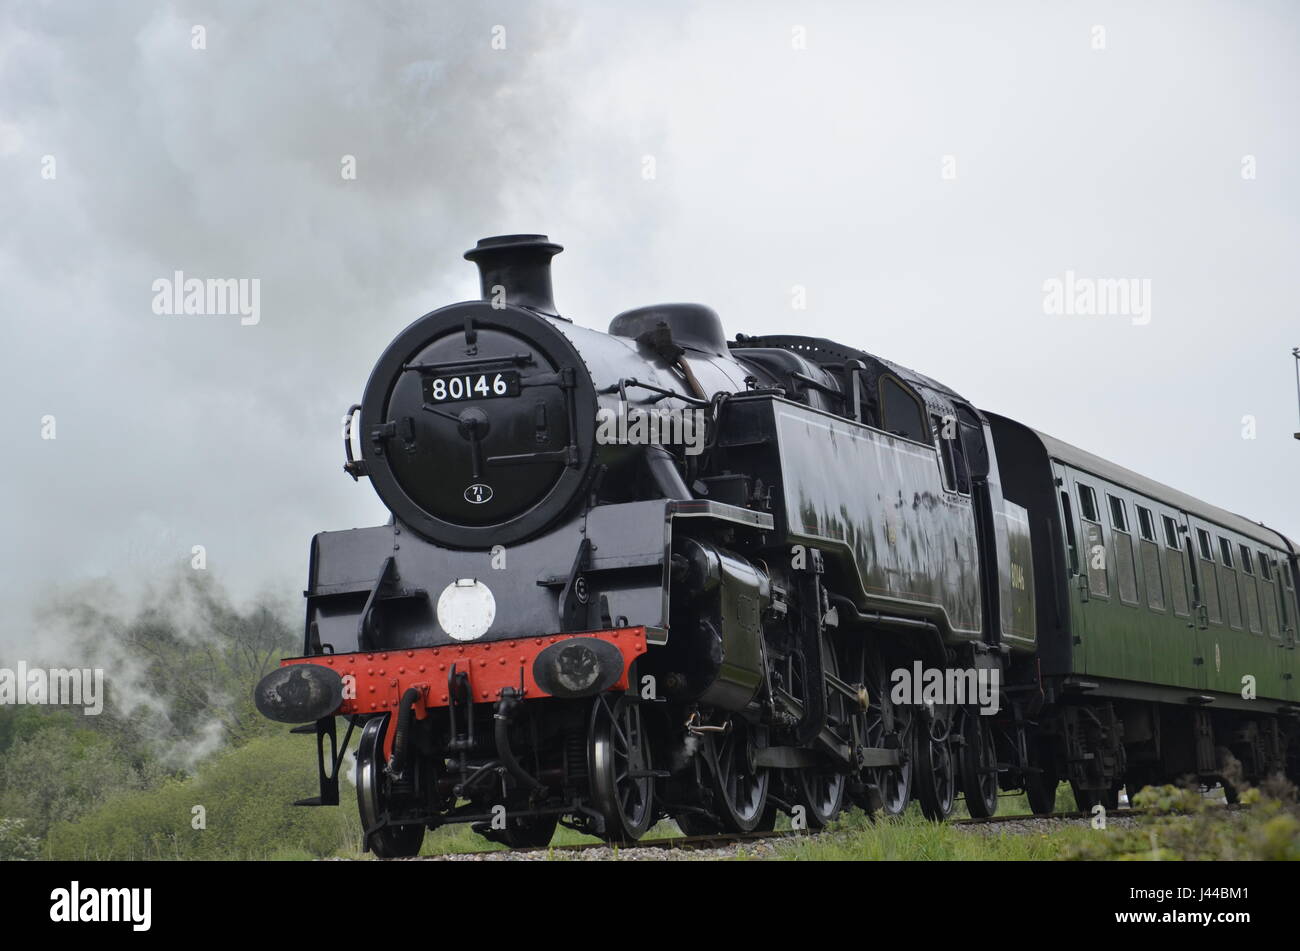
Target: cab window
{"type": "Point", "coordinates": [902, 412]}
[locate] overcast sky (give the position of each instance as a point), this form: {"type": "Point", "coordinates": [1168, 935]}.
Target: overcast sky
{"type": "Point", "coordinates": [920, 169]}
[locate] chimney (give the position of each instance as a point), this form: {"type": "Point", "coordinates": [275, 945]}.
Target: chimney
{"type": "Point", "coordinates": [519, 263]}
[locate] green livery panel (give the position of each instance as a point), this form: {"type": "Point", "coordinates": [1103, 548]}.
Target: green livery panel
{"type": "Point", "coordinates": [1150, 585]}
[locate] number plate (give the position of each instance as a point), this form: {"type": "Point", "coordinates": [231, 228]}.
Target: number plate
{"type": "Point", "coordinates": [460, 387]}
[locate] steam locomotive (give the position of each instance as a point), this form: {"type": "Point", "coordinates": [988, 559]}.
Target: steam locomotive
{"type": "Point", "coordinates": [652, 573]}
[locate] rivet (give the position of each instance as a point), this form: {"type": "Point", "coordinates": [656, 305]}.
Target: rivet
{"type": "Point", "coordinates": [410, 653]}
{"type": "Point", "coordinates": [421, 668]}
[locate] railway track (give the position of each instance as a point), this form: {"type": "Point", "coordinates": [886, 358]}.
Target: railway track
{"type": "Point", "coordinates": [696, 843]}
{"type": "Point", "coordinates": [1110, 813]}
{"type": "Point", "coordinates": [686, 843]}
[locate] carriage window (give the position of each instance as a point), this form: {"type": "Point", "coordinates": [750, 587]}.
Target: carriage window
{"type": "Point", "coordinates": [1229, 590]}
{"type": "Point", "coordinates": [1125, 569]}
{"type": "Point", "coordinates": [1203, 537]}
{"type": "Point", "coordinates": [1177, 566]}
{"type": "Point", "coordinates": [902, 411]}
{"type": "Point", "coordinates": [1246, 564]}
{"type": "Point", "coordinates": [1268, 599]}
{"type": "Point", "coordinates": [1070, 542]}
{"type": "Point", "coordinates": [1087, 502]}
{"type": "Point", "coordinates": [1225, 547]}
{"type": "Point", "coordinates": [1151, 566]}
{"type": "Point", "coordinates": [1250, 594]}
{"type": "Point", "coordinates": [1209, 580]}
{"type": "Point", "coordinates": [1146, 524]}
{"type": "Point", "coordinates": [1171, 532]}
{"type": "Point", "coordinates": [1118, 514]}
{"type": "Point", "coordinates": [1094, 544]}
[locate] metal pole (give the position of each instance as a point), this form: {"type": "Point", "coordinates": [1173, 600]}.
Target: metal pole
{"type": "Point", "coordinates": [1295, 352]}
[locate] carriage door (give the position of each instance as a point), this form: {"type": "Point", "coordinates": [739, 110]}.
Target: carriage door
{"type": "Point", "coordinates": [1077, 591]}
{"type": "Point", "coordinates": [1179, 534]}
{"type": "Point", "coordinates": [1203, 556]}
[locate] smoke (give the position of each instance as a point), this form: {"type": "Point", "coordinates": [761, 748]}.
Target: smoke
{"type": "Point", "coordinates": [681, 755]}
{"type": "Point", "coordinates": [179, 663]}
{"type": "Point", "coordinates": [791, 168]}
{"type": "Point", "coordinates": [342, 155]}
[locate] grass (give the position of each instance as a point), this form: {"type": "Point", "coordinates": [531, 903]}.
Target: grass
{"type": "Point", "coordinates": [912, 838]}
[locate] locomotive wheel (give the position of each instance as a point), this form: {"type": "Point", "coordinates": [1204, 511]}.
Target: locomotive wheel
{"type": "Point", "coordinates": [894, 782]}
{"type": "Point", "coordinates": [739, 786]}
{"type": "Point", "coordinates": [897, 782]}
{"type": "Point", "coordinates": [622, 786]}
{"type": "Point", "coordinates": [821, 790]}
{"type": "Point", "coordinates": [979, 766]}
{"type": "Point", "coordinates": [374, 795]}
{"type": "Point", "coordinates": [935, 776]}
{"type": "Point", "coordinates": [821, 793]}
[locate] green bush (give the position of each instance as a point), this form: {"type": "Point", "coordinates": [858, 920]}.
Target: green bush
{"type": "Point", "coordinates": [1178, 824]}
{"type": "Point", "coordinates": [60, 773]}
{"type": "Point", "coordinates": [245, 794]}
{"type": "Point", "coordinates": [15, 844]}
